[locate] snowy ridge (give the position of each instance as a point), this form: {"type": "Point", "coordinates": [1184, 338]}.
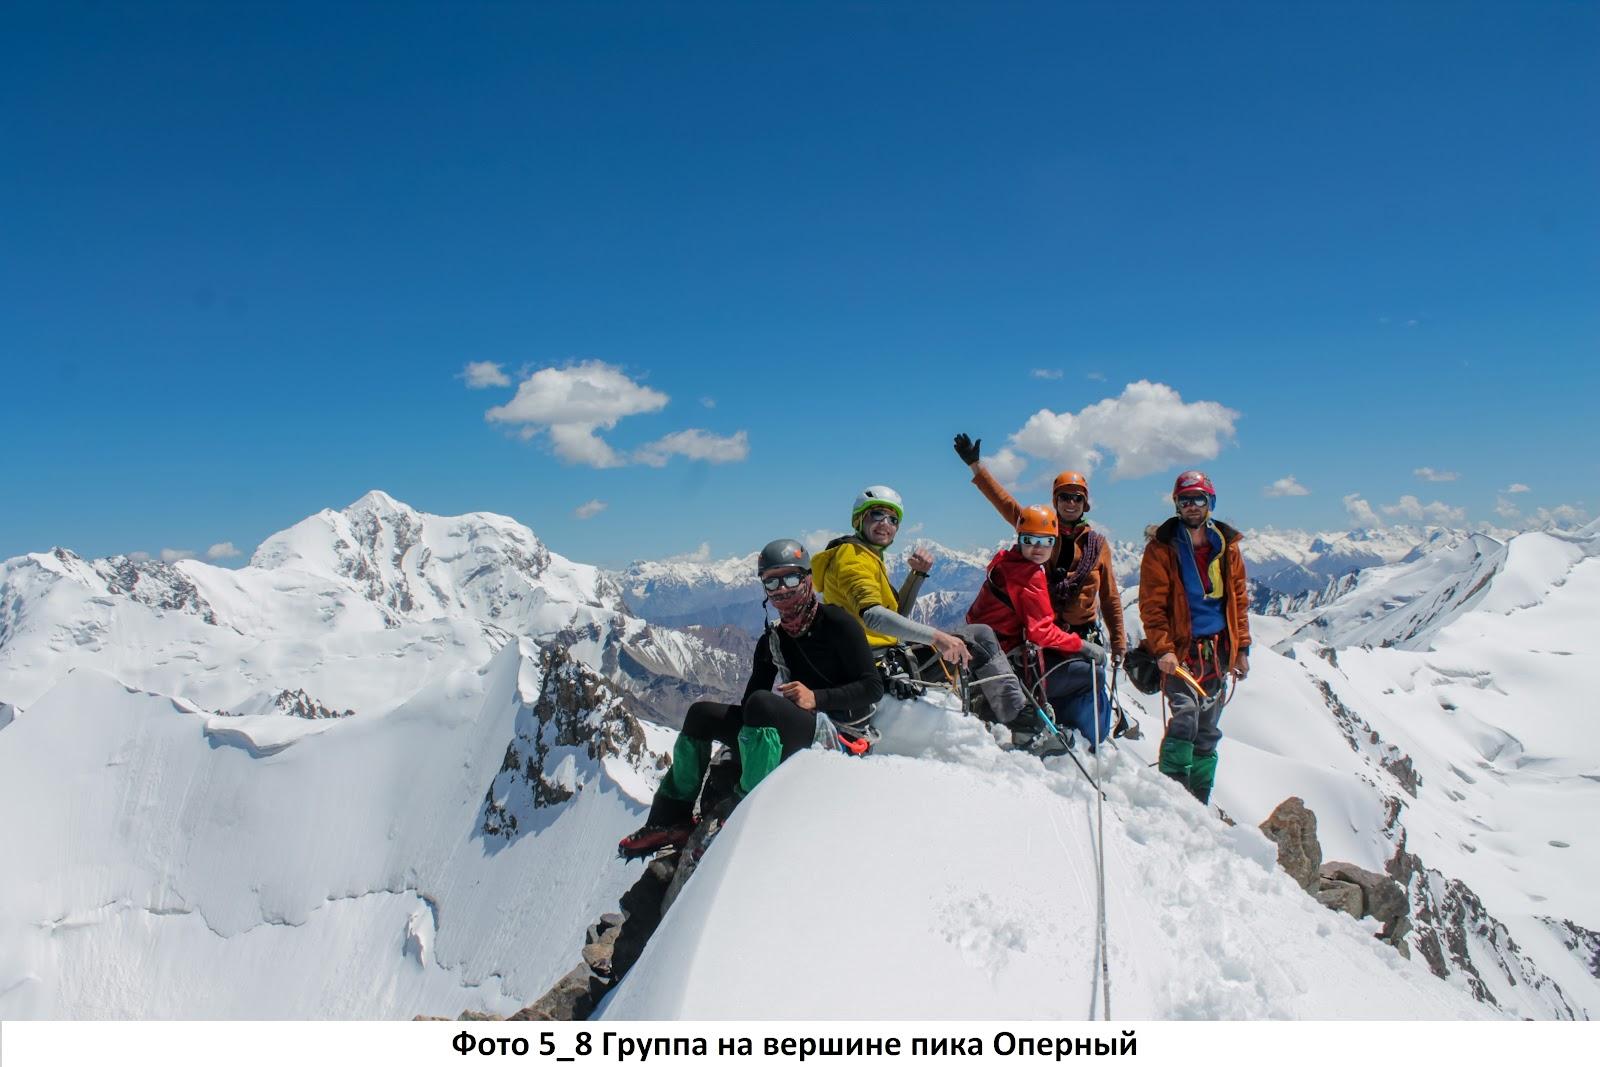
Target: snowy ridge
{"type": "Point", "coordinates": [339, 875]}
{"type": "Point", "coordinates": [1202, 924]}
{"type": "Point", "coordinates": [356, 609]}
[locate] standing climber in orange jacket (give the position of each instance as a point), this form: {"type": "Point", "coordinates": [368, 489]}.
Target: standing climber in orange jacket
{"type": "Point", "coordinates": [1082, 582]}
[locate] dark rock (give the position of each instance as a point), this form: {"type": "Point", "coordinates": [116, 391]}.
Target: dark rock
{"type": "Point", "coordinates": [1456, 935]}
{"type": "Point", "coordinates": [1382, 896]}
{"type": "Point", "coordinates": [472, 1016]}
{"type": "Point", "coordinates": [642, 906]}
{"type": "Point", "coordinates": [1294, 827]}
{"type": "Point", "coordinates": [572, 999]}
{"type": "Point", "coordinates": [1339, 896]}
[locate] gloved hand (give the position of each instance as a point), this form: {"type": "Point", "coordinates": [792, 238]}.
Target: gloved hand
{"type": "Point", "coordinates": [967, 448]}
{"type": "Point", "coordinates": [1094, 652]}
{"type": "Point", "coordinates": [1062, 589]}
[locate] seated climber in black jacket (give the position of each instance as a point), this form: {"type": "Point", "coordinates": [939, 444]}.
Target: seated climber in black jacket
{"type": "Point", "coordinates": [828, 688]}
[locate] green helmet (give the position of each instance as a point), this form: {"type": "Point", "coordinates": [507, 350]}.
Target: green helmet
{"type": "Point", "coordinates": [877, 496]}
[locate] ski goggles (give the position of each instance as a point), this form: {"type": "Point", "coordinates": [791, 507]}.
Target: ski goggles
{"type": "Point", "coordinates": [1047, 540]}
{"type": "Point", "coordinates": [1193, 501]}
{"type": "Point", "coordinates": [883, 515]}
{"type": "Point", "coordinates": [791, 580]}
{"type": "Point", "coordinates": [1073, 498]}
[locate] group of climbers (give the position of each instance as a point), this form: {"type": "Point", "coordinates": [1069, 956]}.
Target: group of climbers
{"type": "Point", "coordinates": [1032, 644]}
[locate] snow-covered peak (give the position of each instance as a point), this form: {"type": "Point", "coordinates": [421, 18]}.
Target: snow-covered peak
{"type": "Point", "coordinates": [415, 565]}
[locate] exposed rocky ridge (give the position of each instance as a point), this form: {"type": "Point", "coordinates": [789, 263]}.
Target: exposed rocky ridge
{"type": "Point", "coordinates": [1363, 739]}
{"type": "Point", "coordinates": [1456, 935]}
{"type": "Point", "coordinates": [295, 702]}
{"type": "Point", "coordinates": [575, 722]}
{"type": "Point", "coordinates": [1582, 943]}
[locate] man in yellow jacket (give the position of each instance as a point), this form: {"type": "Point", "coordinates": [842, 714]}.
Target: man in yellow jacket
{"type": "Point", "coordinates": [851, 573]}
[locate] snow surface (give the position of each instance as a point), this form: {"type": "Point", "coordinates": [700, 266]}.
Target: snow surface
{"type": "Point", "coordinates": [961, 884]}
{"type": "Point", "coordinates": [165, 871]}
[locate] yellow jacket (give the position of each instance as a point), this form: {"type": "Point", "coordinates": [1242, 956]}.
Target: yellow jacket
{"type": "Point", "coordinates": [851, 574]}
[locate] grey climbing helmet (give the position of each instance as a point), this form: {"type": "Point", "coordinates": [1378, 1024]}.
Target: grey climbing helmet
{"type": "Point", "coordinates": [784, 552]}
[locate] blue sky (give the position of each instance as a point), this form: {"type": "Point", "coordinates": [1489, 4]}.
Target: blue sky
{"type": "Point", "coordinates": [247, 253]}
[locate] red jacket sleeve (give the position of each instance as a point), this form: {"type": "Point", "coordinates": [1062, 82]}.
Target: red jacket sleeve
{"type": "Point", "coordinates": [1031, 599]}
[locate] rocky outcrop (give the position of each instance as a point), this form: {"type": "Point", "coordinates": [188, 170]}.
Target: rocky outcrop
{"type": "Point", "coordinates": [611, 947]}
{"type": "Point", "coordinates": [1336, 885]}
{"type": "Point", "coordinates": [1363, 739]}
{"type": "Point", "coordinates": [1581, 942]}
{"type": "Point", "coordinates": [576, 722]}
{"type": "Point", "coordinates": [1294, 827]}
{"type": "Point", "coordinates": [1458, 937]}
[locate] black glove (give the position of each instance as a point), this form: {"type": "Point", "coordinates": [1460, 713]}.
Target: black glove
{"type": "Point", "coordinates": [1092, 651]}
{"type": "Point", "coordinates": [967, 448]}
{"type": "Point", "coordinates": [1064, 590]}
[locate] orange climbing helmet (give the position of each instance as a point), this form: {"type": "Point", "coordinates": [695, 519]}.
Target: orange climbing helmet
{"type": "Point", "coordinates": [1039, 521]}
{"type": "Point", "coordinates": [1072, 480]}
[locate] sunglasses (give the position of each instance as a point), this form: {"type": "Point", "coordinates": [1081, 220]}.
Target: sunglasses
{"type": "Point", "coordinates": [1037, 539]}
{"type": "Point", "coordinates": [791, 580]}
{"type": "Point", "coordinates": [1193, 501]}
{"type": "Point", "coordinates": [883, 515]}
{"type": "Point", "coordinates": [1072, 498]}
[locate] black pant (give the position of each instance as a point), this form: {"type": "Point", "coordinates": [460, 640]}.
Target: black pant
{"type": "Point", "coordinates": [710, 721]}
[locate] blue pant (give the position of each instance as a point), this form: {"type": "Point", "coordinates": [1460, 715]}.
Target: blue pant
{"type": "Point", "coordinates": [1070, 688]}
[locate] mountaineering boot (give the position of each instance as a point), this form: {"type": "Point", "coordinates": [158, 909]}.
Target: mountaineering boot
{"type": "Point", "coordinates": [667, 826]}
{"type": "Point", "coordinates": [650, 839]}
{"type": "Point", "coordinates": [760, 752]}
{"type": "Point", "coordinates": [1202, 774]}
{"type": "Point", "coordinates": [1126, 726]}
{"type": "Point", "coordinates": [671, 815]}
{"type": "Point", "coordinates": [1177, 756]}
{"type": "Point", "coordinates": [1025, 730]}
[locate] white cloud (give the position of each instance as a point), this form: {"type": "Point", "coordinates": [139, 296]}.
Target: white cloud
{"type": "Point", "coordinates": [173, 555]}
{"type": "Point", "coordinates": [1516, 487]}
{"type": "Point", "coordinates": [1049, 374]}
{"type": "Point", "coordinates": [139, 557]}
{"type": "Point", "coordinates": [708, 401]}
{"type": "Point", "coordinates": [1562, 515]}
{"type": "Point", "coordinates": [1428, 474]}
{"type": "Point", "coordinates": [1148, 428]}
{"type": "Point", "coordinates": [1095, 376]}
{"type": "Point", "coordinates": [572, 403]}
{"type": "Point", "coordinates": [484, 375]}
{"type": "Point", "coordinates": [695, 444]}
{"type": "Point", "coordinates": [1006, 465]}
{"type": "Point", "coordinates": [222, 550]}
{"type": "Point", "coordinates": [702, 554]}
{"type": "Point", "coordinates": [1438, 512]}
{"type": "Point", "coordinates": [1286, 486]}
{"type": "Point", "coordinates": [589, 510]}
{"type": "Point", "coordinates": [1360, 512]}
{"type": "Point", "coordinates": [817, 540]}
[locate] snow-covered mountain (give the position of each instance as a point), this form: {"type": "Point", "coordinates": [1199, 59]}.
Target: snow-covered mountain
{"type": "Point", "coordinates": [208, 835]}
{"type": "Point", "coordinates": [725, 592]}
{"type": "Point", "coordinates": [358, 609]}
{"type": "Point", "coordinates": [1288, 569]}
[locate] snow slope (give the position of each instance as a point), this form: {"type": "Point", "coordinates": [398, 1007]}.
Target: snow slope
{"type": "Point", "coordinates": [803, 908]}
{"type": "Point", "coordinates": [167, 870]}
